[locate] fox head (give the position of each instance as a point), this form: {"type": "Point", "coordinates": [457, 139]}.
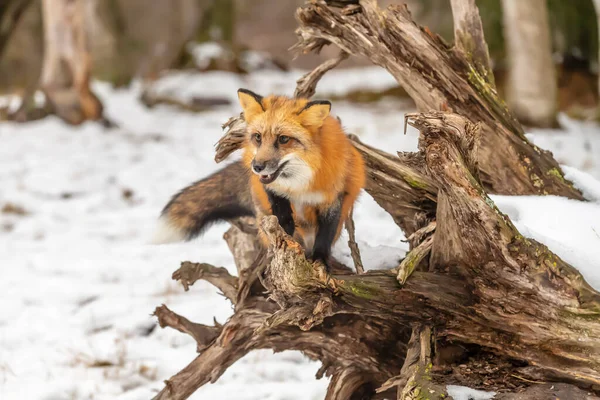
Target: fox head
{"type": "Point", "coordinates": [282, 138]}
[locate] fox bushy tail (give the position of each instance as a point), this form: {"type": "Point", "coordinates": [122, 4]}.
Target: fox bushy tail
{"type": "Point", "coordinates": [221, 196]}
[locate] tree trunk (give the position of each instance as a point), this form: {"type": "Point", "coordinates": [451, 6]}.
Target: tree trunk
{"type": "Point", "coordinates": [531, 86]}
{"type": "Point", "coordinates": [66, 67]}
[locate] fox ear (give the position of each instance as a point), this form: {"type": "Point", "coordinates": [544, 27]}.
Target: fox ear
{"type": "Point", "coordinates": [315, 112]}
{"type": "Point", "coordinates": [251, 103]}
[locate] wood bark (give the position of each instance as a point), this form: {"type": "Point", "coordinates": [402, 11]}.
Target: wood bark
{"type": "Point", "coordinates": [66, 67]}
{"type": "Point", "coordinates": [532, 86]}
{"type": "Point", "coordinates": [469, 38]}
{"type": "Point", "coordinates": [487, 286]}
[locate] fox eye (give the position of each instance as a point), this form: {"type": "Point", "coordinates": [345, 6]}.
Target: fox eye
{"type": "Point", "coordinates": [257, 137]}
{"type": "Point", "coordinates": [284, 139]}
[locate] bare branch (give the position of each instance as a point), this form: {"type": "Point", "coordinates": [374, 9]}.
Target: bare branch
{"type": "Point", "coordinates": [232, 344]}
{"type": "Point", "coordinates": [307, 84]}
{"type": "Point", "coordinates": [414, 376]}
{"type": "Point", "coordinates": [413, 259]}
{"type": "Point", "coordinates": [203, 335]}
{"type": "Point", "coordinates": [233, 139]}
{"type": "Point", "coordinates": [190, 272]}
{"type": "Point", "coordinates": [354, 250]}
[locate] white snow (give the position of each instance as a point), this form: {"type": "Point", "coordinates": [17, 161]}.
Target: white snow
{"type": "Point", "coordinates": [465, 393]}
{"type": "Point", "coordinates": [576, 145]}
{"type": "Point", "coordinates": [570, 228]}
{"type": "Point", "coordinates": [586, 183]}
{"type": "Point", "coordinates": [79, 281]}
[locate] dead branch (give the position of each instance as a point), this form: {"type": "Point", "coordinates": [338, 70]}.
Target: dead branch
{"type": "Point", "coordinates": [231, 345]}
{"type": "Point", "coordinates": [350, 383]}
{"type": "Point", "coordinates": [307, 84]}
{"type": "Point", "coordinates": [203, 335]}
{"type": "Point", "coordinates": [354, 250]}
{"type": "Point", "coordinates": [190, 272]}
{"type": "Point", "coordinates": [413, 259]}
{"type": "Point", "coordinates": [414, 376]}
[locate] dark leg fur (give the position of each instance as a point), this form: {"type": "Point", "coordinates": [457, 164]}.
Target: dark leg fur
{"type": "Point", "coordinates": [281, 208]}
{"type": "Point", "coordinates": [327, 223]}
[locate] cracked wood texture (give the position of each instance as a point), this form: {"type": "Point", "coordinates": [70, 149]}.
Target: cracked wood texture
{"type": "Point", "coordinates": [488, 286]}
{"type": "Point", "coordinates": [437, 77]}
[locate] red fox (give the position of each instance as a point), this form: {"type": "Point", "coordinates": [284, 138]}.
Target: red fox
{"type": "Point", "coordinates": [297, 164]}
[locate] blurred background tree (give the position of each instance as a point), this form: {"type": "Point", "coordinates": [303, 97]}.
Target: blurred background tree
{"type": "Point", "coordinates": [129, 38]}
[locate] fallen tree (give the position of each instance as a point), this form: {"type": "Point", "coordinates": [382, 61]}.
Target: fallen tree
{"type": "Point", "coordinates": [487, 286]}
{"type": "Point", "coordinates": [472, 291]}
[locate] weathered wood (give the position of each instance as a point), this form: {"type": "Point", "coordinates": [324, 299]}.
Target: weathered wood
{"type": "Point", "coordinates": [491, 288]}
{"type": "Point", "coordinates": [354, 249]}
{"type": "Point", "coordinates": [438, 77]}
{"type": "Point", "coordinates": [350, 383]}
{"type": "Point", "coordinates": [203, 335]}
{"type": "Point", "coordinates": [307, 84]}
{"type": "Point", "coordinates": [190, 272]}
{"type": "Point", "coordinates": [469, 38]}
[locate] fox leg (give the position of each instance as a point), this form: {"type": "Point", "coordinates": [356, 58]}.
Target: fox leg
{"type": "Point", "coordinates": [268, 203]}
{"type": "Point", "coordinates": [282, 209]}
{"type": "Point", "coordinates": [328, 222]}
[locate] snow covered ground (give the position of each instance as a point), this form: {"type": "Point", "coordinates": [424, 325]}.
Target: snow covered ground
{"type": "Point", "coordinates": [79, 281]}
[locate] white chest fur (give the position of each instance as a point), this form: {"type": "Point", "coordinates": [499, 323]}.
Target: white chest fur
{"type": "Point", "coordinates": [306, 199]}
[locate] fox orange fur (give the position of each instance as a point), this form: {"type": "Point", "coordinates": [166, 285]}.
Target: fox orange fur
{"type": "Point", "coordinates": [297, 164]}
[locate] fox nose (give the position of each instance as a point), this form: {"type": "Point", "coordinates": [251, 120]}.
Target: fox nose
{"type": "Point", "coordinates": [257, 167]}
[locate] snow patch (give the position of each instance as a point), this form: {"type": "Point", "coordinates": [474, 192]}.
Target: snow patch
{"type": "Point", "coordinates": [465, 393]}
{"type": "Point", "coordinates": [586, 183]}
{"type": "Point", "coordinates": [570, 228]}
